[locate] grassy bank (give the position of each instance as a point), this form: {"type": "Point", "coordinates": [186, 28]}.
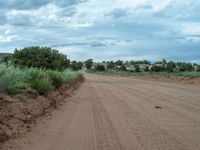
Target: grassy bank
{"type": "Point", "coordinates": [164, 74]}
{"type": "Point", "coordinates": [14, 79]}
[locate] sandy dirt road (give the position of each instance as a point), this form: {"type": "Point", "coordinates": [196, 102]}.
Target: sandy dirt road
{"type": "Point", "coordinates": [113, 113]}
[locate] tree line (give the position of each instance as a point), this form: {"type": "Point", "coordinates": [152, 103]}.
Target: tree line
{"type": "Point", "coordinates": [49, 58]}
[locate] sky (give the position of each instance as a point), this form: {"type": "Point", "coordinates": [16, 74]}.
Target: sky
{"type": "Point", "coordinates": [104, 29]}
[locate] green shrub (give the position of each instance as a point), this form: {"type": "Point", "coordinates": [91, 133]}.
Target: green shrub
{"type": "Point", "coordinates": [88, 63]}
{"type": "Point", "coordinates": [70, 77]}
{"type": "Point", "coordinates": [40, 57]}
{"type": "Point", "coordinates": [157, 68]}
{"type": "Point", "coordinates": [100, 67]}
{"type": "Point", "coordinates": [56, 78]}
{"type": "Point", "coordinates": [11, 79]}
{"type": "Point", "coordinates": [34, 73]}
{"type": "Point", "coordinates": [43, 86]}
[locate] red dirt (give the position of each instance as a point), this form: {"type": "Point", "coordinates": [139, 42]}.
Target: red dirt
{"type": "Point", "coordinates": [120, 113]}
{"type": "Point", "coordinates": [19, 114]}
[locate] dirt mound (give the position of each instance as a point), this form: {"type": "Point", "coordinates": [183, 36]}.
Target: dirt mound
{"type": "Point", "coordinates": [19, 113]}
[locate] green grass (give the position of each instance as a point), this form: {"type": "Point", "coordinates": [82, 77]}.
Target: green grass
{"type": "Point", "coordinates": [14, 79]}
{"type": "Point", "coordinates": [164, 74]}
{"type": "Point", "coordinates": [41, 85]}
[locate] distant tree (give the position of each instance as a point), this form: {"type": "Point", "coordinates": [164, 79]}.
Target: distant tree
{"type": "Point", "coordinates": [157, 68]}
{"type": "Point", "coordinates": [88, 63]}
{"type": "Point", "coordinates": [198, 68]}
{"type": "Point", "coordinates": [182, 66]}
{"type": "Point", "coordinates": [164, 61]}
{"type": "Point", "coordinates": [76, 65]}
{"type": "Point", "coordinates": [123, 67]}
{"type": "Point", "coordinates": [99, 67]}
{"type": "Point", "coordinates": [137, 68]}
{"type": "Point", "coordinates": [146, 69]}
{"type": "Point", "coordinates": [40, 57]}
{"type": "Point", "coordinates": [146, 62]}
{"type": "Point", "coordinates": [132, 62]}
{"type": "Point", "coordinates": [119, 63]}
{"type": "Point", "coordinates": [110, 65]}
{"type": "Point", "coordinates": [170, 66]}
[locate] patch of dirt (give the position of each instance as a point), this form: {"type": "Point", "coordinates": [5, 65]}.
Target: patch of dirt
{"type": "Point", "coordinates": [19, 113]}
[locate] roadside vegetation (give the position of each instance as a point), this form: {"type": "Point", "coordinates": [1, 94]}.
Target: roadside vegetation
{"type": "Point", "coordinates": [146, 68]}
{"type": "Point", "coordinates": [38, 68]}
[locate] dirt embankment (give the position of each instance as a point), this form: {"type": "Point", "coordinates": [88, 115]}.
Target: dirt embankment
{"type": "Point", "coordinates": [19, 113]}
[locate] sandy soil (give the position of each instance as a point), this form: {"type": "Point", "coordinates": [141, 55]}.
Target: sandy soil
{"type": "Point", "coordinates": [116, 113]}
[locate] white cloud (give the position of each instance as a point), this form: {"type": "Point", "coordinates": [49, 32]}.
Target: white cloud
{"type": "Point", "coordinates": [145, 23]}
{"type": "Point", "coordinates": [161, 6]}
{"type": "Point", "coordinates": [8, 38]}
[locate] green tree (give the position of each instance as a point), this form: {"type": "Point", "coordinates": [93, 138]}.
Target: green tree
{"type": "Point", "coordinates": [99, 67]}
{"type": "Point", "coordinates": [110, 65]}
{"type": "Point", "coordinates": [198, 68]}
{"type": "Point", "coordinates": [88, 63]}
{"type": "Point", "coordinates": [157, 68]}
{"type": "Point", "coordinates": [74, 65]}
{"type": "Point", "coordinates": [119, 63]}
{"type": "Point", "coordinates": [40, 57]}
{"type": "Point", "coordinates": [137, 68]}
{"type": "Point", "coordinates": [123, 67]}
{"type": "Point", "coordinates": [146, 69]}
{"type": "Point", "coordinates": [170, 66]}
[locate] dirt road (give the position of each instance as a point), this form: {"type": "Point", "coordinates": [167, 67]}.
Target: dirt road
{"type": "Point", "coordinates": [113, 113]}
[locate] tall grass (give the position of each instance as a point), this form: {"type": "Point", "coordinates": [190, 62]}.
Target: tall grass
{"type": "Point", "coordinates": [13, 79]}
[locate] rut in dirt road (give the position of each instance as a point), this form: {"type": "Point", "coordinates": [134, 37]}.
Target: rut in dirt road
{"type": "Point", "coordinates": [115, 113]}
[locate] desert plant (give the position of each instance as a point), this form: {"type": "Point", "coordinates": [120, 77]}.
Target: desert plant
{"type": "Point", "coordinates": [56, 78]}
{"type": "Point", "coordinates": [12, 79]}
{"type": "Point", "coordinates": [40, 57]}
{"type": "Point", "coordinates": [43, 86]}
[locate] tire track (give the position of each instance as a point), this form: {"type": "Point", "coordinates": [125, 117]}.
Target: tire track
{"type": "Point", "coordinates": [106, 136]}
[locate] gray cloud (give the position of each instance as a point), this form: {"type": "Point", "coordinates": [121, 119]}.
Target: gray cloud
{"type": "Point", "coordinates": [118, 13]}
{"type": "Point", "coordinates": [33, 4]}
{"type": "Point", "coordinates": [104, 29]}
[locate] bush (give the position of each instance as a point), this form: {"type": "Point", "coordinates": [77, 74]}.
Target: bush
{"type": "Point", "coordinates": [111, 65]}
{"type": "Point", "coordinates": [146, 69]}
{"type": "Point", "coordinates": [100, 67]}
{"type": "Point", "coordinates": [156, 68]}
{"type": "Point", "coordinates": [70, 77]}
{"type": "Point", "coordinates": [56, 78]}
{"type": "Point", "coordinates": [40, 57]}
{"type": "Point", "coordinates": [76, 65]}
{"type": "Point", "coordinates": [123, 67]}
{"type": "Point", "coordinates": [12, 79]}
{"type": "Point", "coordinates": [137, 68]}
{"type": "Point", "coordinates": [170, 66]}
{"type": "Point", "coordinates": [88, 63]}
{"type": "Point", "coordinates": [43, 86]}
{"type": "Point", "coordinates": [34, 73]}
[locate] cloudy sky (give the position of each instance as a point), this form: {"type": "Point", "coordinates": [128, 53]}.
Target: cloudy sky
{"type": "Point", "coordinates": [104, 29]}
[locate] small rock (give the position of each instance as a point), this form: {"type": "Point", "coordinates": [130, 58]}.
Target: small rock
{"type": "Point", "coordinates": [28, 126]}
{"type": "Point", "coordinates": [158, 107]}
